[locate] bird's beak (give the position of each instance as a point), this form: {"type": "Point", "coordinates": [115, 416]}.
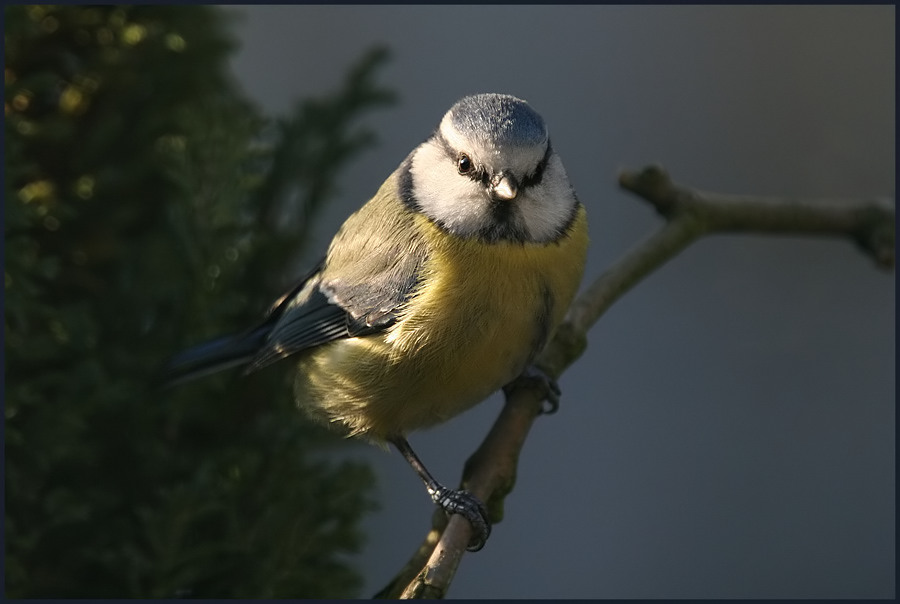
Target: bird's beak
{"type": "Point", "coordinates": [504, 186]}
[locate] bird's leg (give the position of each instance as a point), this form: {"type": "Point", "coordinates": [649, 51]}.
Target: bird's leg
{"type": "Point", "coordinates": [452, 502]}
{"type": "Point", "coordinates": [533, 373]}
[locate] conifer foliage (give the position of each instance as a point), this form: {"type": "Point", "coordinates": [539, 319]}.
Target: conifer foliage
{"type": "Point", "coordinates": [148, 205]}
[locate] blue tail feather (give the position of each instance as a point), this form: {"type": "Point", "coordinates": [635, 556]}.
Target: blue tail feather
{"type": "Point", "coordinates": [213, 356]}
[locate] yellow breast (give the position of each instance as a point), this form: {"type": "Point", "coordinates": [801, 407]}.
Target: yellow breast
{"type": "Point", "coordinates": [484, 313]}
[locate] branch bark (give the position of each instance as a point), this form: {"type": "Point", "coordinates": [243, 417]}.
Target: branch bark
{"type": "Point", "coordinates": [690, 214]}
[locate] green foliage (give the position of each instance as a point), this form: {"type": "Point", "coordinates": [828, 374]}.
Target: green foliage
{"type": "Point", "coordinates": [148, 206]}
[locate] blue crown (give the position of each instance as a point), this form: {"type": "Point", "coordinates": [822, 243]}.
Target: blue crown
{"type": "Point", "coordinates": [499, 119]}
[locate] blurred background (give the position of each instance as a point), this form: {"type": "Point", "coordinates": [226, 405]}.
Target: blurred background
{"type": "Point", "coordinates": [729, 433]}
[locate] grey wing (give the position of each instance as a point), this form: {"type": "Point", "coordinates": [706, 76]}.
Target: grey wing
{"type": "Point", "coordinates": [373, 266]}
{"type": "Point", "coordinates": [322, 308]}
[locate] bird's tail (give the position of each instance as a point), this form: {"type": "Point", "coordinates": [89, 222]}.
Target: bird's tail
{"type": "Point", "coordinates": [211, 357]}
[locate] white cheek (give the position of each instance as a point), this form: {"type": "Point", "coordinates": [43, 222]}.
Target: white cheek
{"type": "Point", "coordinates": [442, 193]}
{"type": "Point", "coordinates": [548, 206]}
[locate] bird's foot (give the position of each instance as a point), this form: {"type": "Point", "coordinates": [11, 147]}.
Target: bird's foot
{"type": "Point", "coordinates": [551, 392]}
{"type": "Point", "coordinates": [469, 507]}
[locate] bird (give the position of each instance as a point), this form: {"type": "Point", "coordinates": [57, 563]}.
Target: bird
{"type": "Point", "coordinates": [440, 290]}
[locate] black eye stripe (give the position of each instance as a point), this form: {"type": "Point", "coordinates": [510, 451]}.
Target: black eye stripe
{"type": "Point", "coordinates": [538, 175]}
{"type": "Point", "coordinates": [450, 151]}
{"type": "Point", "coordinates": [479, 175]}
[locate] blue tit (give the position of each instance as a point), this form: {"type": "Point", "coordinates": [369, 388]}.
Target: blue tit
{"type": "Point", "coordinates": [438, 291]}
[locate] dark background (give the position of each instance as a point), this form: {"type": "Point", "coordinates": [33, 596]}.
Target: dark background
{"type": "Point", "coordinates": [730, 430]}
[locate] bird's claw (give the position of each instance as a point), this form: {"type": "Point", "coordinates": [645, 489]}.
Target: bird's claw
{"type": "Point", "coordinates": [552, 393]}
{"type": "Point", "coordinates": [551, 389]}
{"type": "Point", "coordinates": [469, 507]}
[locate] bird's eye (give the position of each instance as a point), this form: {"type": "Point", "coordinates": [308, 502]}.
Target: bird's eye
{"type": "Point", "coordinates": [464, 164]}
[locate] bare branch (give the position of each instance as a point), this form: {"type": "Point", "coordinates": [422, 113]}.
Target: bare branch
{"type": "Point", "coordinates": [491, 471]}
{"type": "Point", "coordinates": [868, 223]}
